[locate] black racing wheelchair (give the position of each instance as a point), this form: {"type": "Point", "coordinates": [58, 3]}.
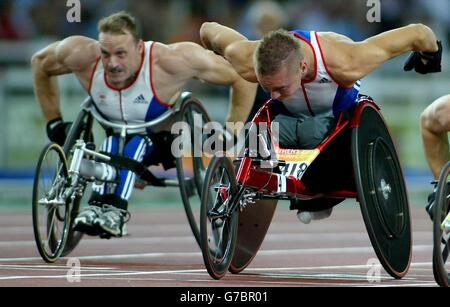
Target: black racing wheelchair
{"type": "Point", "coordinates": [357, 160]}
{"type": "Point", "coordinates": [441, 229]}
{"type": "Point", "coordinates": [63, 174]}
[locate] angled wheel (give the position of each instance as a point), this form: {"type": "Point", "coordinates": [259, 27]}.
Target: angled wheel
{"type": "Point", "coordinates": [219, 217]}
{"type": "Point", "coordinates": [51, 212]}
{"type": "Point", "coordinates": [441, 229]}
{"type": "Point", "coordinates": [191, 166]}
{"type": "Point", "coordinates": [80, 129]}
{"type": "Point", "coordinates": [382, 192]}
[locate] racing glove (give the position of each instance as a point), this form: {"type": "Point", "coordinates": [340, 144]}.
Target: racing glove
{"type": "Point", "coordinates": [57, 130]}
{"type": "Point", "coordinates": [433, 60]}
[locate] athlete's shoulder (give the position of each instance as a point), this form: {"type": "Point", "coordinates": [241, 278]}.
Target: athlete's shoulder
{"type": "Point", "coordinates": [78, 52]}
{"type": "Point", "coordinates": [334, 37]}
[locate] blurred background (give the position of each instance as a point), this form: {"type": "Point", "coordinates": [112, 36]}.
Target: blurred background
{"type": "Point", "coordinates": [29, 25]}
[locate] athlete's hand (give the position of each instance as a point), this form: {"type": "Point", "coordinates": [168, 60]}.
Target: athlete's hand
{"type": "Point", "coordinates": [425, 62]}
{"type": "Point", "coordinates": [57, 130]}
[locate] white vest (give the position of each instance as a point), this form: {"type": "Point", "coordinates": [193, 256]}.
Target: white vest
{"type": "Point", "coordinates": [322, 95]}
{"type": "Point", "coordinates": [133, 104]}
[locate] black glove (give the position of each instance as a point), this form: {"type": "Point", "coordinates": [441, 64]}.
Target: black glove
{"type": "Point", "coordinates": [57, 130]}
{"type": "Point", "coordinates": [433, 64]}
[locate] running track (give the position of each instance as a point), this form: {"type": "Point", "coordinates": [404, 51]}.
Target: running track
{"type": "Point", "coordinates": [161, 252]}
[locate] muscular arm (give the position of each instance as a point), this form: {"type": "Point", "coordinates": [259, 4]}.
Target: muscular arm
{"type": "Point", "coordinates": [190, 60]}
{"type": "Point", "coordinates": [434, 125]}
{"type": "Point", "coordinates": [354, 60]}
{"type": "Point", "coordinates": [232, 45]}
{"type": "Point", "coordinates": [75, 54]}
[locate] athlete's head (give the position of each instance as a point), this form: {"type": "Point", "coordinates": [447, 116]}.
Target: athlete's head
{"type": "Point", "coordinates": [279, 64]}
{"type": "Point", "coordinates": [121, 47]}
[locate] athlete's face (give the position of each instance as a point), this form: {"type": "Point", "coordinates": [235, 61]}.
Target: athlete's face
{"type": "Point", "coordinates": [121, 57]}
{"type": "Point", "coordinates": [285, 82]}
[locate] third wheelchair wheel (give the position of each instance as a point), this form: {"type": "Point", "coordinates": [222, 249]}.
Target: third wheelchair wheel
{"type": "Point", "coordinates": [382, 192]}
{"type": "Point", "coordinates": [219, 217]}
{"type": "Point", "coordinates": [191, 167]}
{"type": "Point", "coordinates": [441, 229]}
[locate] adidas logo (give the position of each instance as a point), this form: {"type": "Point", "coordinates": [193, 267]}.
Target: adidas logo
{"type": "Point", "coordinates": [325, 80]}
{"type": "Point", "coordinates": [140, 99]}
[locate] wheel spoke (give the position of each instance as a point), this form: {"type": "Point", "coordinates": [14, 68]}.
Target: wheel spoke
{"type": "Point", "coordinates": [52, 222]}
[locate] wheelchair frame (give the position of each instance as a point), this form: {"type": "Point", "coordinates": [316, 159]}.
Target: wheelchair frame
{"type": "Point", "coordinates": [80, 173]}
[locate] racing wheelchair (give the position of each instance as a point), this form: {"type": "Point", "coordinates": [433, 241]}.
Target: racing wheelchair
{"type": "Point", "coordinates": [64, 173]}
{"type": "Point", "coordinates": [441, 229]}
{"type": "Point", "coordinates": [357, 160]}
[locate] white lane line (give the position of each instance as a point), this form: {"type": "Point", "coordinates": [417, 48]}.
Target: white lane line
{"type": "Point", "coordinates": [38, 266]}
{"type": "Point", "coordinates": [104, 274]}
{"type": "Point", "coordinates": [354, 280]}
{"type": "Point", "coordinates": [250, 269]}
{"type": "Point", "coordinates": [97, 242]}
{"type": "Point", "coordinates": [261, 282]}
{"type": "Point", "coordinates": [335, 267]}
{"type": "Point", "coordinates": [421, 284]}
{"type": "Point", "coordinates": [283, 237]}
{"type": "Point", "coordinates": [60, 268]}
{"type": "Point", "coordinates": [279, 252]}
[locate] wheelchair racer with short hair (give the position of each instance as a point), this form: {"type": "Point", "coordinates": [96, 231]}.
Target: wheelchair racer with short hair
{"type": "Point", "coordinates": [130, 82]}
{"type": "Point", "coordinates": [316, 75]}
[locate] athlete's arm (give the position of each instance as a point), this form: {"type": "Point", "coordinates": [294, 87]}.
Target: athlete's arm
{"type": "Point", "coordinates": [435, 125]}
{"type": "Point", "coordinates": [232, 45]}
{"type": "Point", "coordinates": [190, 60]}
{"type": "Point", "coordinates": [354, 60]}
{"type": "Point", "coordinates": [75, 54]}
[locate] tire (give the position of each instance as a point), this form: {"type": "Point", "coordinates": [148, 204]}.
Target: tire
{"type": "Point", "coordinates": [80, 129]}
{"type": "Point", "coordinates": [218, 233]}
{"type": "Point", "coordinates": [441, 249]}
{"type": "Point", "coordinates": [382, 192]}
{"type": "Point", "coordinates": [191, 170]}
{"type": "Point", "coordinates": [51, 221]}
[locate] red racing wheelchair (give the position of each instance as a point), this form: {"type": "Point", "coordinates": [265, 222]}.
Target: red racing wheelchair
{"type": "Point", "coordinates": [357, 160]}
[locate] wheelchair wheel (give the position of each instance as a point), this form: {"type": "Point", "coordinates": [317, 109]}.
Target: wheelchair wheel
{"type": "Point", "coordinates": [219, 217]}
{"type": "Point", "coordinates": [51, 214]}
{"type": "Point", "coordinates": [80, 129]}
{"type": "Point", "coordinates": [191, 169]}
{"type": "Point", "coordinates": [382, 192]}
{"type": "Point", "coordinates": [441, 229]}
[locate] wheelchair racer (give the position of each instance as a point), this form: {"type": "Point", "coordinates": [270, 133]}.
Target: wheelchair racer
{"type": "Point", "coordinates": [130, 82]}
{"type": "Point", "coordinates": [316, 75]}
{"type": "Point", "coordinates": [435, 125]}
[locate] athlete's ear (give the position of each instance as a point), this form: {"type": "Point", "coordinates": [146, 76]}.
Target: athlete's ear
{"type": "Point", "coordinates": [303, 67]}
{"type": "Point", "coordinates": [141, 46]}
